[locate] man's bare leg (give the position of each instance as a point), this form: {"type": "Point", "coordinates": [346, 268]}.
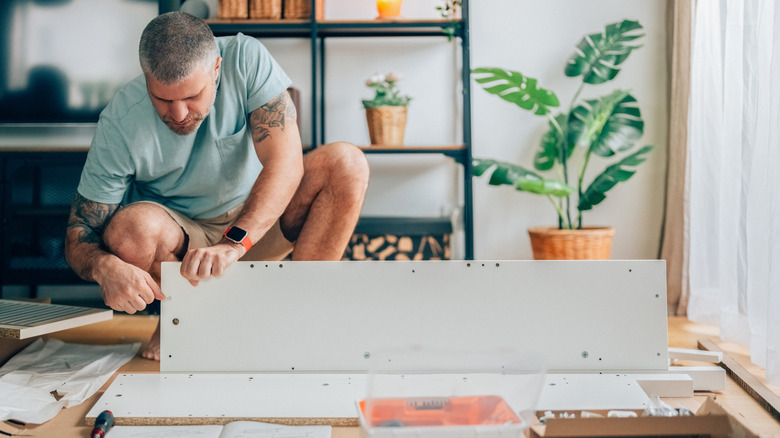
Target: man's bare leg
{"type": "Point", "coordinates": [144, 235]}
{"type": "Point", "coordinates": [324, 210]}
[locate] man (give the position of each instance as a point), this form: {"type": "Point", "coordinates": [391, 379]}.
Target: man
{"type": "Point", "coordinates": [199, 159]}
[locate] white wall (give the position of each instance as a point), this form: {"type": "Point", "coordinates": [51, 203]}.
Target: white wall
{"type": "Point", "coordinates": [534, 37]}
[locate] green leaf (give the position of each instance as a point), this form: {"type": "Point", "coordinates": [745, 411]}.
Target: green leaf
{"type": "Point", "coordinates": [549, 148]}
{"type": "Point", "coordinates": [481, 165]}
{"type": "Point", "coordinates": [618, 172]}
{"type": "Point", "coordinates": [550, 187]}
{"type": "Point", "coordinates": [610, 124]}
{"type": "Point", "coordinates": [520, 178]}
{"type": "Point", "coordinates": [516, 88]}
{"type": "Point", "coordinates": [598, 55]}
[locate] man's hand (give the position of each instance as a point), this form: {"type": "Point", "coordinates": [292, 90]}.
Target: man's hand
{"type": "Point", "coordinates": [204, 263]}
{"type": "Point", "coordinates": [127, 288]}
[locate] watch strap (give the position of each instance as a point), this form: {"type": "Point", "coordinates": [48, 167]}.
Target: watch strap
{"type": "Point", "coordinates": [246, 241]}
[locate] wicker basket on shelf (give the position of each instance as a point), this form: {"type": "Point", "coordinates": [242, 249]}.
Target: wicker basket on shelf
{"type": "Point", "coordinates": [233, 9]}
{"type": "Point", "coordinates": [271, 9]}
{"type": "Point", "coordinates": [589, 243]}
{"type": "Point", "coordinates": [386, 125]}
{"type": "Point", "coordinates": [302, 9]}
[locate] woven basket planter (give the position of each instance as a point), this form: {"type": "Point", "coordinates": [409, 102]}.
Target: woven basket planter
{"type": "Point", "coordinates": [589, 243]}
{"type": "Point", "coordinates": [233, 9]}
{"type": "Point", "coordinates": [386, 125]}
{"type": "Point", "coordinates": [269, 9]}
{"type": "Point", "coordinates": [302, 9]}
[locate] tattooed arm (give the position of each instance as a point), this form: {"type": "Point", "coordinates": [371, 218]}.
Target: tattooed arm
{"type": "Point", "coordinates": [278, 146]}
{"type": "Point", "coordinates": [83, 242]}
{"type": "Point", "coordinates": [277, 143]}
{"type": "Point", "coordinates": [124, 287]}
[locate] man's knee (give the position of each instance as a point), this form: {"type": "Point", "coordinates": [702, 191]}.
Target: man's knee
{"type": "Point", "coordinates": [136, 231]}
{"type": "Point", "coordinates": [347, 163]}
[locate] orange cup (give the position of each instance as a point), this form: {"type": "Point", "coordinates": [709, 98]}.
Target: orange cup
{"type": "Point", "coordinates": [388, 8]}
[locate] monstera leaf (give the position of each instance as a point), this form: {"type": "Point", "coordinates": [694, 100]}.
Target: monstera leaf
{"type": "Point", "coordinates": [513, 87]}
{"type": "Point", "coordinates": [598, 55]}
{"type": "Point", "coordinates": [618, 172]}
{"type": "Point", "coordinates": [520, 178]}
{"type": "Point", "coordinates": [607, 125]}
{"type": "Point", "coordinates": [550, 148]}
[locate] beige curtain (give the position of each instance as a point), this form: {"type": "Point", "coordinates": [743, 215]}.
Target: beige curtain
{"type": "Point", "coordinates": [674, 240]}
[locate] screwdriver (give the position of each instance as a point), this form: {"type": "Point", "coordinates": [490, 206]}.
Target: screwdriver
{"type": "Point", "coordinates": [103, 423]}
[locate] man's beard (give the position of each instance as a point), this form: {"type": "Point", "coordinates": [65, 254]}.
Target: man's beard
{"type": "Point", "coordinates": [191, 123]}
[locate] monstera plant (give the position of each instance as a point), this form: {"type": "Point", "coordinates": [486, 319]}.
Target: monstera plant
{"type": "Point", "coordinates": [606, 127]}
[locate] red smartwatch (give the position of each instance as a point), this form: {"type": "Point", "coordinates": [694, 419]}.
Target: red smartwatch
{"type": "Point", "coordinates": [238, 235]}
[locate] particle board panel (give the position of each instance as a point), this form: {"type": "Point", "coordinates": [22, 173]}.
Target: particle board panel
{"type": "Point", "coordinates": [330, 399]}
{"type": "Point", "coordinates": [592, 391]}
{"type": "Point", "coordinates": [281, 398]}
{"type": "Point", "coordinates": [695, 355]}
{"type": "Point", "coordinates": [26, 319]}
{"type": "Point", "coordinates": [337, 316]}
{"type": "Point", "coordinates": [708, 378]}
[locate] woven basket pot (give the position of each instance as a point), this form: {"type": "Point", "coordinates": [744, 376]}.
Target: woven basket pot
{"type": "Point", "coordinates": [302, 9]}
{"type": "Point", "coordinates": [589, 243]}
{"type": "Point", "coordinates": [232, 9]}
{"type": "Point", "coordinates": [270, 9]}
{"type": "Point", "coordinates": [386, 125]}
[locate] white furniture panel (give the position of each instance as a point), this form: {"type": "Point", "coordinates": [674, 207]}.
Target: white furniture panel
{"type": "Point", "coordinates": [330, 399]}
{"type": "Point", "coordinates": [345, 316]}
{"type": "Point", "coordinates": [27, 319]}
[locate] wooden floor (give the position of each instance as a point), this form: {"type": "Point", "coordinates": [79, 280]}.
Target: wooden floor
{"type": "Point", "coordinates": [126, 329]}
{"type": "Point", "coordinates": [686, 334]}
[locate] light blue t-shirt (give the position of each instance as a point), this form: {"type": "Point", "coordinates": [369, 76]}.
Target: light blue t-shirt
{"type": "Point", "coordinates": [134, 156]}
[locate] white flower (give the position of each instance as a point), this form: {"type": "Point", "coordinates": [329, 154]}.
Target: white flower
{"type": "Point", "coordinates": [393, 77]}
{"type": "Point", "coordinates": [376, 78]}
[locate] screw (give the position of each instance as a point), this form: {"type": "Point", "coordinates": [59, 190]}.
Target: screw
{"type": "Point", "coordinates": [175, 321]}
{"type": "Point", "coordinates": [584, 354]}
{"type": "Point", "coordinates": [366, 355]}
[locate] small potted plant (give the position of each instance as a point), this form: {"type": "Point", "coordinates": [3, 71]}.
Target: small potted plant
{"type": "Point", "coordinates": [386, 112]}
{"type": "Point", "coordinates": [604, 127]}
{"type": "Point", "coordinates": [448, 11]}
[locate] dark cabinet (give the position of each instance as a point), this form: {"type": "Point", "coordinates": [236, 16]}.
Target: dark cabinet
{"type": "Point", "coordinates": [37, 190]}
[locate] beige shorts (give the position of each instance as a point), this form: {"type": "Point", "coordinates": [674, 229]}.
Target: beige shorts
{"type": "Point", "coordinates": [207, 232]}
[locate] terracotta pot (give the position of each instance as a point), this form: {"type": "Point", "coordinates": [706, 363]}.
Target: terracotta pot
{"type": "Point", "coordinates": [589, 243]}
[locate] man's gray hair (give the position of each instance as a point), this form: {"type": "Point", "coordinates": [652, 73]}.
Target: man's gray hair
{"type": "Point", "coordinates": [174, 44]}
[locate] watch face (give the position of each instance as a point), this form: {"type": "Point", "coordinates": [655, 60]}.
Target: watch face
{"type": "Point", "coordinates": [236, 234]}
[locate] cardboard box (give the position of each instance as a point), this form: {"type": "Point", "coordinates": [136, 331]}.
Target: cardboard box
{"type": "Point", "coordinates": [699, 425]}
{"type": "Point", "coordinates": [9, 347]}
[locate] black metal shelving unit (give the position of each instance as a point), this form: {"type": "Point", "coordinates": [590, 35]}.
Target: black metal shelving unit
{"type": "Point", "coordinates": [319, 31]}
